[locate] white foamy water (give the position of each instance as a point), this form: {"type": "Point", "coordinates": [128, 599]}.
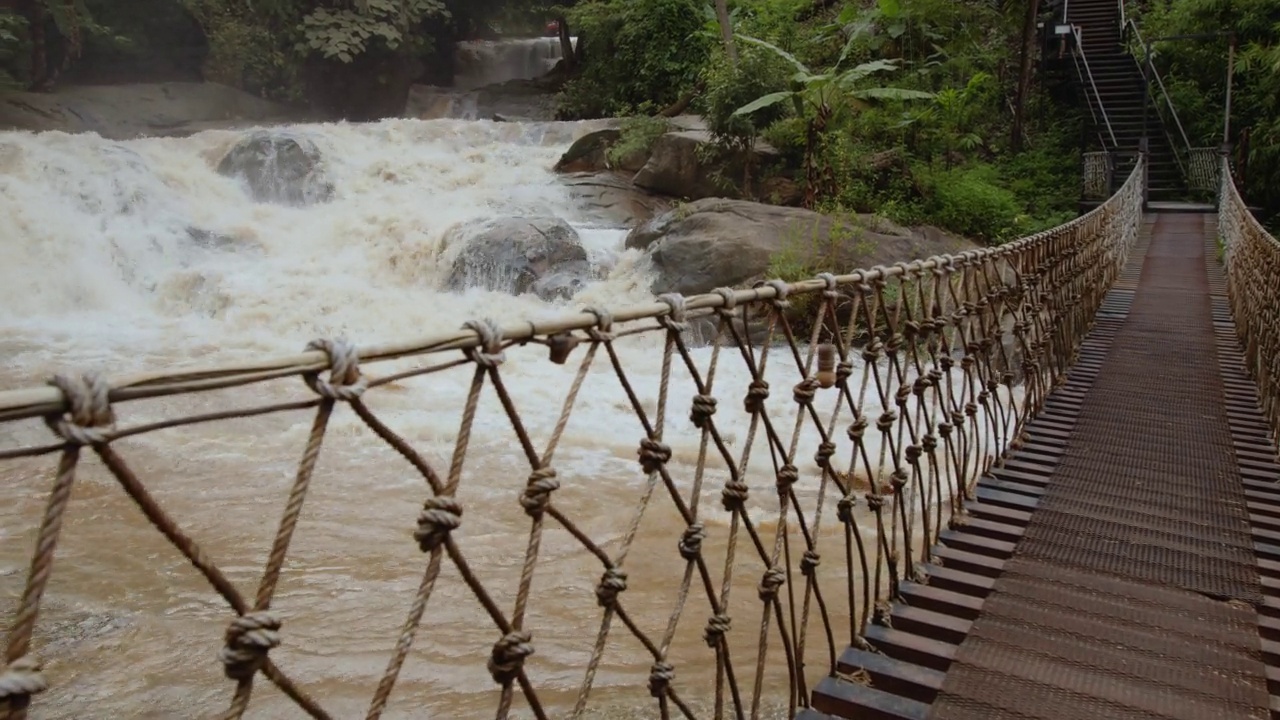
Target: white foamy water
{"type": "Point", "coordinates": [489, 62]}
{"type": "Point", "coordinates": [102, 272]}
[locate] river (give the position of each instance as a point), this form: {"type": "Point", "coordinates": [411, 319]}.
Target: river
{"type": "Point", "coordinates": [100, 272]}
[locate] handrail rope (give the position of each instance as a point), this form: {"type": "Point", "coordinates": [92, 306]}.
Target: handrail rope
{"type": "Point", "coordinates": [41, 400]}
{"type": "Point", "coordinates": [1251, 256]}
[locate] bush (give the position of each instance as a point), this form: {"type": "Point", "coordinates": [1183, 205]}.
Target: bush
{"type": "Point", "coordinates": [971, 202]}
{"type": "Point", "coordinates": [641, 55]}
{"type": "Point", "coordinates": [728, 87]}
{"type": "Point", "coordinates": [636, 136]}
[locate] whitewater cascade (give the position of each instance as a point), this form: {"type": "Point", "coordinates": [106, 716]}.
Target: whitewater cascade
{"type": "Point", "coordinates": [122, 256]}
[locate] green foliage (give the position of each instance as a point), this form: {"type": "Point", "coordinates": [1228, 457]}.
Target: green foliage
{"type": "Point", "coordinates": [642, 55]}
{"type": "Point", "coordinates": [637, 134]}
{"type": "Point", "coordinates": [729, 86]}
{"type": "Point", "coordinates": [1194, 71]}
{"type": "Point", "coordinates": [346, 33]}
{"type": "Point", "coordinates": [972, 202]}
{"type": "Point", "coordinates": [14, 50]}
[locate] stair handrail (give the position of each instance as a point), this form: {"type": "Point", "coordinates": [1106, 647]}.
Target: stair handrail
{"type": "Point", "coordinates": [1146, 65]}
{"type": "Point", "coordinates": [1102, 141]}
{"type": "Point", "coordinates": [1078, 51]}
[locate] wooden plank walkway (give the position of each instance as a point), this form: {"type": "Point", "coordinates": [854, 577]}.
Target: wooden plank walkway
{"type": "Point", "coordinates": [1125, 562]}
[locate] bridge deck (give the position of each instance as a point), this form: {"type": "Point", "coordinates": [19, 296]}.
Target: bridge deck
{"type": "Point", "coordinates": [1119, 565]}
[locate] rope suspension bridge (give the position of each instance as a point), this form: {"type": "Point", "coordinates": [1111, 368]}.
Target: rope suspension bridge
{"type": "Point", "coordinates": [931, 462]}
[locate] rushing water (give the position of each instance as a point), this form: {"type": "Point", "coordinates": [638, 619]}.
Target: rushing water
{"type": "Point", "coordinates": [109, 265]}
{"type": "Point", "coordinates": [101, 271]}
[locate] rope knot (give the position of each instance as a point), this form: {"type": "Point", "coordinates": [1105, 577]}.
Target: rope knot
{"type": "Point", "coordinates": [704, 406]}
{"type": "Point", "coordinates": [489, 354]}
{"type": "Point", "coordinates": [843, 371]}
{"type": "Point", "coordinates": [691, 541]}
{"type": "Point", "coordinates": [537, 493]}
{"type": "Point", "coordinates": [871, 353]}
{"type": "Point", "coordinates": [930, 442]}
{"type": "Point", "coordinates": [345, 380]}
{"type": "Point", "coordinates": [805, 391]}
{"type": "Point", "coordinates": [787, 476]}
{"type": "Point", "coordinates": [612, 583]}
{"type": "Point", "coordinates": [660, 677]}
{"type": "Point", "coordinates": [898, 478]}
{"type": "Point", "coordinates": [829, 291]}
{"type": "Point", "coordinates": [734, 495]}
{"type": "Point", "coordinates": [773, 579]}
{"type": "Point", "coordinates": [913, 453]}
{"type": "Point", "coordinates": [603, 331]}
{"type": "Point", "coordinates": [21, 679]}
{"type": "Point", "coordinates": [809, 563]}
{"type": "Point", "coordinates": [875, 502]}
{"type": "Point", "coordinates": [757, 393]}
{"type": "Point", "coordinates": [674, 319]}
{"type": "Point", "coordinates": [825, 451]}
{"type": "Point", "coordinates": [440, 516]}
{"type": "Point", "coordinates": [88, 418]}
{"type": "Point", "coordinates": [249, 638]}
{"type": "Point", "coordinates": [886, 421]}
{"type": "Point", "coordinates": [717, 626]}
{"type": "Point", "coordinates": [507, 658]}
{"type": "Point", "coordinates": [782, 289]}
{"type": "Point", "coordinates": [653, 455]}
{"type": "Point", "coordinates": [858, 428]}
{"type": "Point", "coordinates": [844, 508]}
{"type": "Point", "coordinates": [729, 300]}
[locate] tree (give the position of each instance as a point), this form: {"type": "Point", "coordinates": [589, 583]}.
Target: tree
{"type": "Point", "coordinates": [818, 97]}
{"type": "Point", "coordinates": [726, 31]}
{"type": "Point", "coordinates": [1024, 74]}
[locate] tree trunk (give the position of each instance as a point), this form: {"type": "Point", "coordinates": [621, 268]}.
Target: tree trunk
{"type": "Point", "coordinates": [726, 31]}
{"type": "Point", "coordinates": [1024, 74]}
{"type": "Point", "coordinates": [566, 44]}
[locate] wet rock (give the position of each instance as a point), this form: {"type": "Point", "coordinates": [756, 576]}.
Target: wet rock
{"type": "Point", "coordinates": [540, 255]}
{"type": "Point", "coordinates": [587, 153]}
{"type": "Point", "coordinates": [714, 243]}
{"type": "Point", "coordinates": [686, 164]}
{"type": "Point", "coordinates": [610, 197]}
{"type": "Point", "coordinates": [210, 240]}
{"type": "Point", "coordinates": [278, 167]}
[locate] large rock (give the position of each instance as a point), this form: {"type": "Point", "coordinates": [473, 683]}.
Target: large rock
{"type": "Point", "coordinates": [612, 198]}
{"type": "Point", "coordinates": [716, 242]}
{"type": "Point", "coordinates": [590, 153]}
{"type": "Point", "coordinates": [684, 164]}
{"type": "Point", "coordinates": [278, 167]}
{"type": "Point", "coordinates": [123, 112]}
{"type": "Point", "coordinates": [542, 255]}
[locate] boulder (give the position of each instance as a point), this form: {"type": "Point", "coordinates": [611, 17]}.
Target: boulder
{"type": "Point", "coordinates": [587, 153]}
{"type": "Point", "coordinates": [611, 198]}
{"type": "Point", "coordinates": [683, 164]}
{"type": "Point", "coordinates": [716, 242]}
{"type": "Point", "coordinates": [517, 255]}
{"type": "Point", "coordinates": [278, 167]}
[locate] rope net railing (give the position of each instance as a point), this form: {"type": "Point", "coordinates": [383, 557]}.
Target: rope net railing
{"type": "Point", "coordinates": [1098, 169]}
{"type": "Point", "coordinates": [848, 416]}
{"type": "Point", "coordinates": [1251, 257]}
{"type": "Point", "coordinates": [1203, 164]}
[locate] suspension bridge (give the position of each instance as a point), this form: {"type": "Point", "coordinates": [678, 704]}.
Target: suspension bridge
{"type": "Point", "coordinates": [1033, 481]}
